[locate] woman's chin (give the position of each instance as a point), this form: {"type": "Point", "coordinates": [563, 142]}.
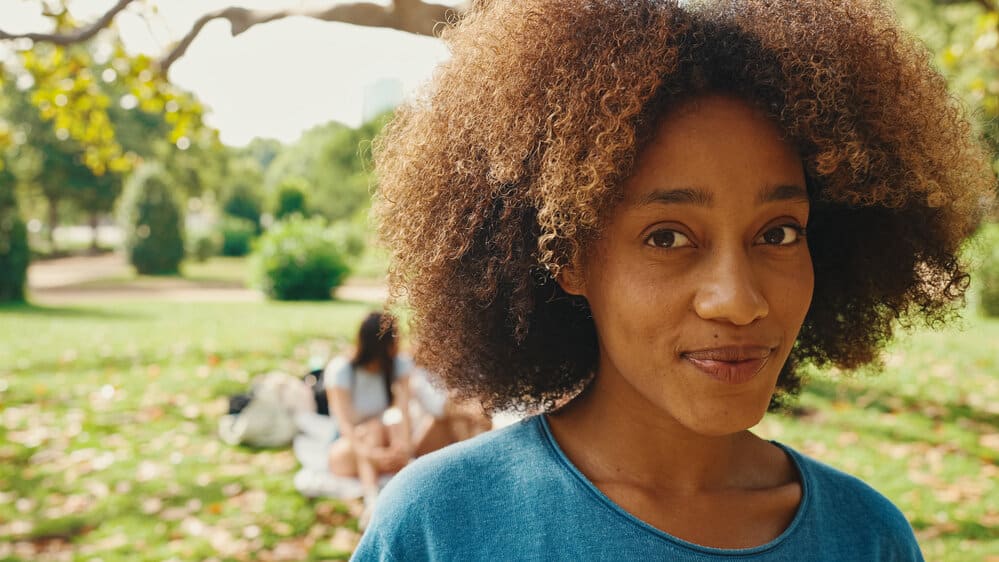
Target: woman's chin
{"type": "Point", "coordinates": [722, 422]}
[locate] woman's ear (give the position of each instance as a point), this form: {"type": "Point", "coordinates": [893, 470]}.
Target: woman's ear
{"type": "Point", "coordinates": [570, 278]}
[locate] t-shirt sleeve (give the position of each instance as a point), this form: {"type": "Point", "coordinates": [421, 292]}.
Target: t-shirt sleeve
{"type": "Point", "coordinates": [337, 374]}
{"type": "Point", "coordinates": [403, 366]}
{"type": "Point", "coordinates": [859, 522]}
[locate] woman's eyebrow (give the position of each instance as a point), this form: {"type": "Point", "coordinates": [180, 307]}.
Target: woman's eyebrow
{"type": "Point", "coordinates": [782, 192]}
{"type": "Point", "coordinates": [683, 196]}
{"type": "Point", "coordinates": [704, 198]}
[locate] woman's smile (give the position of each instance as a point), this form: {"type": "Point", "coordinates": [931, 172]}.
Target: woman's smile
{"type": "Point", "coordinates": [732, 364]}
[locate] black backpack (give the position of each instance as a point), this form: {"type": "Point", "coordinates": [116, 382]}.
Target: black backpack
{"type": "Point", "coordinates": [314, 379]}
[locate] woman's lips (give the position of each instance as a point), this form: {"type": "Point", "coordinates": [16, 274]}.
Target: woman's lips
{"type": "Point", "coordinates": [730, 365]}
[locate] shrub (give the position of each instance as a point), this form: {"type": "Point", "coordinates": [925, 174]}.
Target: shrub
{"type": "Point", "coordinates": [350, 237]}
{"type": "Point", "coordinates": [237, 236]}
{"type": "Point", "coordinates": [987, 274]}
{"type": "Point", "coordinates": [299, 259]}
{"type": "Point", "coordinates": [204, 245]}
{"type": "Point", "coordinates": [14, 251]}
{"type": "Point", "coordinates": [153, 222]}
{"type": "Point", "coordinates": [291, 198]}
{"type": "Point", "coordinates": [242, 202]}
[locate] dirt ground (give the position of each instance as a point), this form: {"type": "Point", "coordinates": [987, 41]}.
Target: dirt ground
{"type": "Point", "coordinates": [98, 278]}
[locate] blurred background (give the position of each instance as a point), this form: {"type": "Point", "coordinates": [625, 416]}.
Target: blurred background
{"type": "Point", "coordinates": [184, 197]}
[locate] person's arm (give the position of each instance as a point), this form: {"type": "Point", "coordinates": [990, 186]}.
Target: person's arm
{"type": "Point", "coordinates": [340, 400]}
{"type": "Point", "coordinates": [342, 410]}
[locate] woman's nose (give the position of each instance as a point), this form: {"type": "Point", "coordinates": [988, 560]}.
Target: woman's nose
{"type": "Point", "coordinates": [730, 292]}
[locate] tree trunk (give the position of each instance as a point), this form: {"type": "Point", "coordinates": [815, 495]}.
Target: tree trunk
{"type": "Point", "coordinates": [53, 222]}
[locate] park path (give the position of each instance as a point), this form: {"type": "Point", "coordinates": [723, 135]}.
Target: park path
{"type": "Point", "coordinates": [63, 272]}
{"type": "Point", "coordinates": [82, 279]}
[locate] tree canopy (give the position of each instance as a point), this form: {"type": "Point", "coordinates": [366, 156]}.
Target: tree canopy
{"type": "Point", "coordinates": [69, 80]}
{"type": "Point", "coordinates": [78, 112]}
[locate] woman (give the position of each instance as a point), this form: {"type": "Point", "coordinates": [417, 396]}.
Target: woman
{"type": "Point", "coordinates": [638, 218]}
{"type": "Point", "coordinates": [367, 395]}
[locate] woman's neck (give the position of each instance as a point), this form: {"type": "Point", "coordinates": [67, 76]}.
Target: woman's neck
{"type": "Point", "coordinates": [373, 366]}
{"type": "Point", "coordinates": [614, 434]}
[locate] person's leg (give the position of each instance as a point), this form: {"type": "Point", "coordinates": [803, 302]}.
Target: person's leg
{"type": "Point", "coordinates": [342, 461]}
{"type": "Point", "coordinates": [387, 459]}
{"type": "Point", "coordinates": [370, 436]}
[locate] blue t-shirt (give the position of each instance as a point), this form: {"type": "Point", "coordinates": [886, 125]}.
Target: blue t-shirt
{"type": "Point", "coordinates": [512, 494]}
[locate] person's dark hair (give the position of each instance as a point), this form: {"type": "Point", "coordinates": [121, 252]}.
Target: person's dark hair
{"type": "Point", "coordinates": [376, 342]}
{"type": "Point", "coordinates": [501, 172]}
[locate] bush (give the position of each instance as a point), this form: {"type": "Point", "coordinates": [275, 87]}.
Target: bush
{"type": "Point", "coordinates": [299, 259]}
{"type": "Point", "coordinates": [291, 198]}
{"type": "Point", "coordinates": [153, 222]}
{"type": "Point", "coordinates": [14, 251]}
{"type": "Point", "coordinates": [243, 203]}
{"type": "Point", "coordinates": [204, 245]}
{"type": "Point", "coordinates": [350, 237]}
{"type": "Point", "coordinates": [986, 277]}
{"type": "Point", "coordinates": [237, 236]}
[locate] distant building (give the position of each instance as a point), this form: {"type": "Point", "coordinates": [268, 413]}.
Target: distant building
{"type": "Point", "coordinates": [380, 96]}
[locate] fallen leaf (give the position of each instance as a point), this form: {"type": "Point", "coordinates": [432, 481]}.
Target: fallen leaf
{"type": "Point", "coordinates": [290, 550]}
{"type": "Point", "coordinates": [989, 441]}
{"type": "Point", "coordinates": [344, 539]}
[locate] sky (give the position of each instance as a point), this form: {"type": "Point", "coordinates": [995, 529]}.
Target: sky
{"type": "Point", "coordinates": [277, 79]}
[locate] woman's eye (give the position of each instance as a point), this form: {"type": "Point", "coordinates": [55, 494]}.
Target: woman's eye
{"type": "Point", "coordinates": [784, 235]}
{"type": "Point", "coordinates": [668, 239]}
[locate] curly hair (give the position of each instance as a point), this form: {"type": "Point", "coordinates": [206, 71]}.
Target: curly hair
{"type": "Point", "coordinates": [502, 170]}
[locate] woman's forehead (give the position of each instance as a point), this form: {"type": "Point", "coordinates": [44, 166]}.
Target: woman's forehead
{"type": "Point", "coordinates": [709, 146]}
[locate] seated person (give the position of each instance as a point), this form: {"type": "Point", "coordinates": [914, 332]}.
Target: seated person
{"type": "Point", "coordinates": [449, 420]}
{"type": "Point", "coordinates": [366, 394]}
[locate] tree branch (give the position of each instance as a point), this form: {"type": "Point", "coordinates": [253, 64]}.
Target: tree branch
{"type": "Point", "coordinates": [76, 36]}
{"type": "Point", "coordinates": [413, 16]}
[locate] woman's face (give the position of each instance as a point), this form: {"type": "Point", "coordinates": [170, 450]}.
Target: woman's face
{"type": "Point", "coordinates": [701, 278]}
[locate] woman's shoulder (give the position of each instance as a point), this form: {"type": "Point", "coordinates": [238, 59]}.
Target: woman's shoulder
{"type": "Point", "coordinates": [484, 478]}
{"type": "Point", "coordinates": [337, 364]}
{"type": "Point", "coordinates": [831, 491]}
{"type": "Point", "coordinates": [482, 458]}
{"type": "Point", "coordinates": [470, 470]}
{"type": "Point", "coordinates": [829, 480]}
{"type": "Point", "coordinates": [337, 372]}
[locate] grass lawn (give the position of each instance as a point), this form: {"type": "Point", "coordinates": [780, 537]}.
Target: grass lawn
{"type": "Point", "coordinates": [108, 450]}
{"type": "Point", "coordinates": [107, 433]}
{"type": "Point", "coordinates": [219, 270]}
{"type": "Point", "coordinates": [925, 432]}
